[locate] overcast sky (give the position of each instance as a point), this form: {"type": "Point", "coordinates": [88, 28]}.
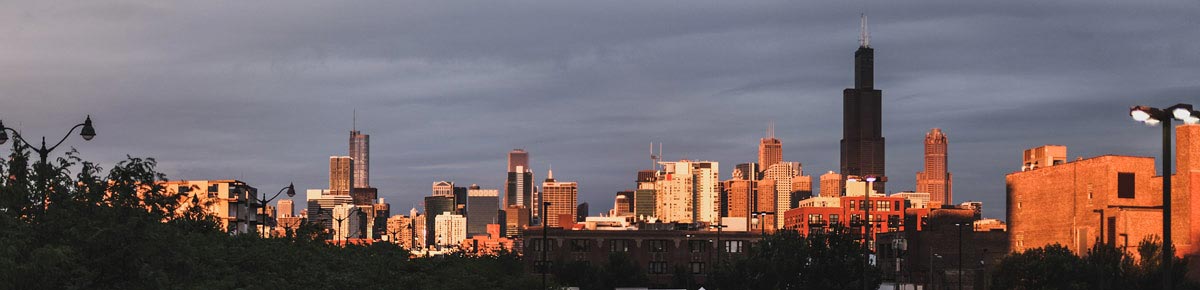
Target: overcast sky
{"type": "Point", "coordinates": [263, 91]}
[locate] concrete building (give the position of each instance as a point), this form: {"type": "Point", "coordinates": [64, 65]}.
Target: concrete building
{"type": "Point", "coordinates": [688, 191]}
{"type": "Point", "coordinates": [483, 207]}
{"type": "Point", "coordinates": [563, 198]}
{"type": "Point", "coordinates": [781, 174]}
{"type": "Point", "coordinates": [936, 178]}
{"type": "Point", "coordinates": [623, 204]}
{"type": "Point", "coordinates": [400, 231]}
{"type": "Point", "coordinates": [832, 184]}
{"type": "Point", "coordinates": [451, 229]}
{"type": "Point", "coordinates": [862, 119]}
{"type": "Point", "coordinates": [740, 198]}
{"type": "Point", "coordinates": [887, 214]}
{"type": "Point", "coordinates": [1045, 156]}
{"type": "Point", "coordinates": [420, 230]}
{"type": "Point", "coordinates": [491, 243]}
{"type": "Point", "coordinates": [232, 202]}
{"type": "Point", "coordinates": [915, 199]}
{"type": "Point", "coordinates": [770, 150]}
{"type": "Point", "coordinates": [360, 151]}
{"type": "Point", "coordinates": [349, 222]}
{"type": "Point", "coordinates": [801, 189]}
{"type": "Point", "coordinates": [321, 203]}
{"type": "Point", "coordinates": [286, 208]}
{"type": "Point", "coordinates": [341, 175]}
{"type": "Point", "coordinates": [516, 219]}
{"type": "Point", "coordinates": [645, 198]}
{"type": "Point", "coordinates": [435, 206]}
{"type": "Point", "coordinates": [765, 201]}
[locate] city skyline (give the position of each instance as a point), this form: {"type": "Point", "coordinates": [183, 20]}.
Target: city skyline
{"type": "Point", "coordinates": [589, 97]}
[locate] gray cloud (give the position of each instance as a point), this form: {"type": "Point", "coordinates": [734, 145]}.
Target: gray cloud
{"type": "Point", "coordinates": [263, 91]}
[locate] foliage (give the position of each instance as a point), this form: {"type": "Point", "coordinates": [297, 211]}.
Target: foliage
{"type": "Point", "coordinates": [1103, 267]}
{"type": "Point", "coordinates": [619, 271]}
{"type": "Point", "coordinates": [831, 259]}
{"type": "Point", "coordinates": [122, 230]}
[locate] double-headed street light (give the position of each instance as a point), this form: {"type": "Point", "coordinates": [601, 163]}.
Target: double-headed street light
{"type": "Point", "coordinates": [263, 200]}
{"type": "Point", "coordinates": [1155, 116]}
{"type": "Point", "coordinates": [88, 132]}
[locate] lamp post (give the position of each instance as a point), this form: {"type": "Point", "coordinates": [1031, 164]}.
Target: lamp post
{"type": "Point", "coordinates": [1154, 116]}
{"type": "Point", "coordinates": [262, 202]}
{"type": "Point", "coordinates": [868, 227]}
{"type": "Point", "coordinates": [545, 246]}
{"type": "Point", "coordinates": [88, 132]}
{"type": "Point", "coordinates": [762, 226]}
{"type": "Point", "coordinates": [719, 225]}
{"type": "Point", "coordinates": [959, 226]}
{"type": "Point", "coordinates": [342, 228]}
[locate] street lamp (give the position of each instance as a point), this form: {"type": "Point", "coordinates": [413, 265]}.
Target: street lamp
{"type": "Point", "coordinates": [762, 226]}
{"type": "Point", "coordinates": [1154, 116]}
{"type": "Point", "coordinates": [545, 246]}
{"type": "Point", "coordinates": [719, 245]}
{"type": "Point", "coordinates": [263, 200]}
{"type": "Point", "coordinates": [88, 132]}
{"type": "Point", "coordinates": [342, 228]}
{"type": "Point", "coordinates": [868, 227]}
{"type": "Point", "coordinates": [959, 226]}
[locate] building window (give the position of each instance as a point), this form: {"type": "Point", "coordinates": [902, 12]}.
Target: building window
{"type": "Point", "coordinates": [815, 219]}
{"type": "Point", "coordinates": [658, 267]}
{"type": "Point", "coordinates": [536, 244]}
{"type": "Point", "coordinates": [896, 206]}
{"type": "Point", "coordinates": [697, 246]}
{"type": "Point", "coordinates": [697, 267]}
{"type": "Point", "coordinates": [658, 246]}
{"type": "Point", "coordinates": [735, 246]}
{"type": "Point", "coordinates": [833, 218]}
{"type": "Point", "coordinates": [1125, 185]}
{"type": "Point", "coordinates": [882, 205]}
{"type": "Point", "coordinates": [581, 245]}
{"type": "Point", "coordinates": [618, 246]}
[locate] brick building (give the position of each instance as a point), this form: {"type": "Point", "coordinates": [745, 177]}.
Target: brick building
{"type": "Point", "coordinates": [887, 215]}
{"type": "Point", "coordinates": [1111, 198]}
{"type": "Point", "coordinates": [656, 252]}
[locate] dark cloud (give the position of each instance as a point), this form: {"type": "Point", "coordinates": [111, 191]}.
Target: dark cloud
{"type": "Point", "coordinates": [263, 91]}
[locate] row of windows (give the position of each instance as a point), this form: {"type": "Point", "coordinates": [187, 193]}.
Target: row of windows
{"type": "Point", "coordinates": [880, 205]}
{"type": "Point", "coordinates": [661, 267]}
{"type": "Point", "coordinates": [655, 246]}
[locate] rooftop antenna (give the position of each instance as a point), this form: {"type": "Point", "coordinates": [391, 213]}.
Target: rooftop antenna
{"type": "Point", "coordinates": [864, 38]}
{"type": "Point", "coordinates": [354, 120]}
{"type": "Point", "coordinates": [653, 158]}
{"type": "Point", "coordinates": [771, 129]}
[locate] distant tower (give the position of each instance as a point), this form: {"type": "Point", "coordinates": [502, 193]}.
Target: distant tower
{"type": "Point", "coordinates": [341, 175]}
{"type": "Point", "coordinates": [862, 122]}
{"type": "Point", "coordinates": [770, 150]}
{"type": "Point", "coordinates": [518, 189]}
{"type": "Point", "coordinates": [360, 150]}
{"type": "Point", "coordinates": [936, 179]}
{"type": "Point", "coordinates": [563, 198]}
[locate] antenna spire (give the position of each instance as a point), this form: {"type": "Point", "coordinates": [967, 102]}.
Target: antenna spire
{"type": "Point", "coordinates": [354, 120]}
{"type": "Point", "coordinates": [864, 38]}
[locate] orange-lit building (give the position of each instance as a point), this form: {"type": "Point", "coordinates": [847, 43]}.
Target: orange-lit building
{"type": "Point", "coordinates": [1111, 198]}
{"type": "Point", "coordinates": [887, 214]}
{"type": "Point", "coordinates": [936, 178]}
{"type": "Point", "coordinates": [232, 202]}
{"type": "Point", "coordinates": [563, 198]}
{"type": "Point", "coordinates": [831, 184]}
{"type": "Point", "coordinates": [739, 197]}
{"type": "Point", "coordinates": [489, 244]}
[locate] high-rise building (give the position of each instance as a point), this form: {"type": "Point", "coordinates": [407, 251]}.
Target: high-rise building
{"type": "Point", "coordinates": [645, 200]}
{"type": "Point", "coordinates": [832, 184]}
{"type": "Point", "coordinates": [765, 201]}
{"type": "Point", "coordinates": [232, 202]}
{"type": "Point", "coordinates": [563, 197]}
{"type": "Point", "coordinates": [801, 189]}
{"type": "Point", "coordinates": [450, 229]}
{"type": "Point", "coordinates": [862, 121]}
{"type": "Point", "coordinates": [420, 230]}
{"type": "Point", "coordinates": [483, 206]}
{"type": "Point", "coordinates": [688, 191]}
{"type": "Point", "coordinates": [739, 197]}
{"type": "Point", "coordinates": [519, 187]}
{"type": "Point", "coordinates": [349, 222]}
{"type": "Point", "coordinates": [581, 212]}
{"type": "Point", "coordinates": [443, 188]}
{"type": "Point", "coordinates": [435, 206]}
{"type": "Point", "coordinates": [320, 206]}
{"type": "Point", "coordinates": [400, 231]}
{"type": "Point", "coordinates": [936, 178]}
{"type": "Point", "coordinates": [516, 218]}
{"type": "Point", "coordinates": [782, 174]}
{"type": "Point", "coordinates": [286, 208]}
{"type": "Point", "coordinates": [623, 204]}
{"type": "Point", "coordinates": [748, 171]}
{"type": "Point", "coordinates": [360, 151]}
{"type": "Point", "coordinates": [770, 150]}
{"type": "Point", "coordinates": [341, 175]}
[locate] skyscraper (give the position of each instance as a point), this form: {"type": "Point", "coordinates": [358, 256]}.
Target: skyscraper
{"type": "Point", "coordinates": [781, 175]}
{"type": "Point", "coordinates": [645, 199]}
{"type": "Point", "coordinates": [623, 204]}
{"type": "Point", "coordinates": [483, 206]}
{"type": "Point", "coordinates": [581, 212]}
{"type": "Point", "coordinates": [748, 171]}
{"type": "Point", "coordinates": [286, 207]}
{"type": "Point", "coordinates": [862, 122]}
{"type": "Point", "coordinates": [435, 206]}
{"type": "Point", "coordinates": [832, 184]}
{"type": "Point", "coordinates": [341, 175]}
{"type": "Point", "coordinates": [739, 197]}
{"type": "Point", "coordinates": [688, 191]}
{"type": "Point", "coordinates": [936, 178]}
{"type": "Point", "coordinates": [770, 150]}
{"type": "Point", "coordinates": [450, 229]}
{"type": "Point", "coordinates": [360, 150]}
{"type": "Point", "coordinates": [518, 189]}
{"type": "Point", "coordinates": [563, 197]}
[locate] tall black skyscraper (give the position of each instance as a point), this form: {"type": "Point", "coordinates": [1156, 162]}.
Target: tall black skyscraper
{"type": "Point", "coordinates": [862, 122]}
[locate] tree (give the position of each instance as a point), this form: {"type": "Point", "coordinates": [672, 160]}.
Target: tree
{"type": "Point", "coordinates": [831, 259]}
